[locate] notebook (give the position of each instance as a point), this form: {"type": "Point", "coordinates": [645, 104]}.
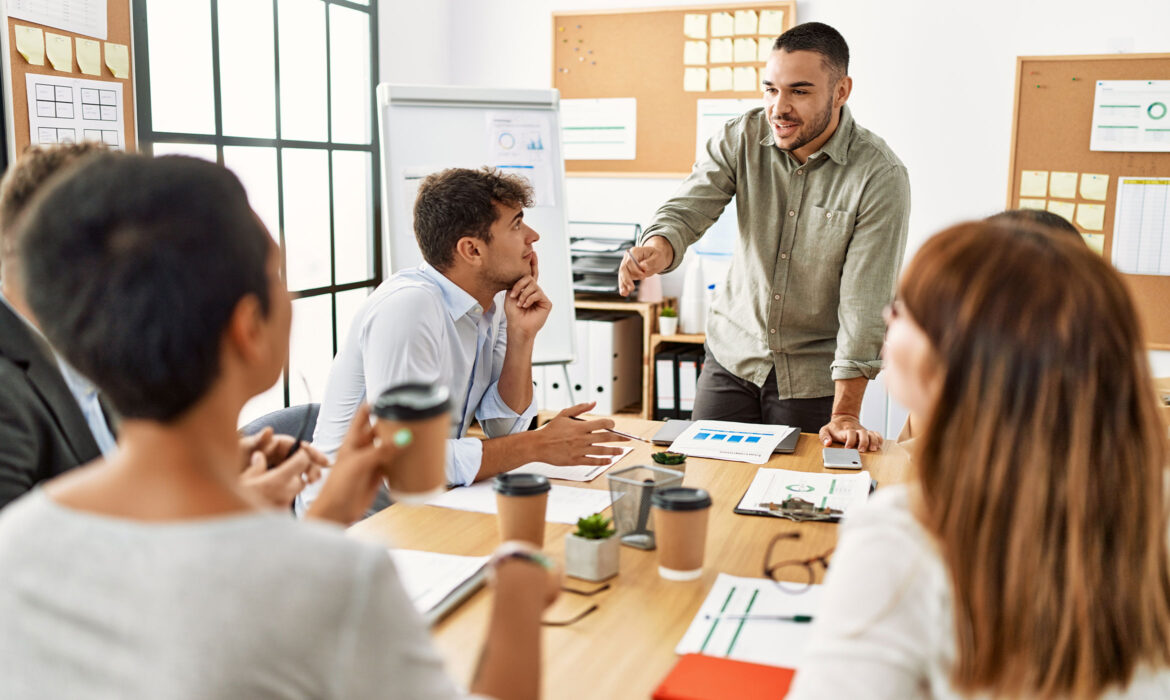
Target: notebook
{"type": "Point", "coordinates": [669, 432]}
{"type": "Point", "coordinates": [699, 677]}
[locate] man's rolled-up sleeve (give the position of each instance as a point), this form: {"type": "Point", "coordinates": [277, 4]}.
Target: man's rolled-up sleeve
{"type": "Point", "coordinates": [870, 273]}
{"type": "Point", "coordinates": [701, 198]}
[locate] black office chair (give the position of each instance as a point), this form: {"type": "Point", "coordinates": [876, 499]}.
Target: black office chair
{"type": "Point", "coordinates": [287, 421]}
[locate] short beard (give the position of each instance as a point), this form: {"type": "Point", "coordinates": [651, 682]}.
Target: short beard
{"type": "Point", "coordinates": [811, 133]}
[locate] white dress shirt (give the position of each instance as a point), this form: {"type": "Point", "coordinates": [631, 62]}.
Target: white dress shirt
{"type": "Point", "coordinates": [419, 326]}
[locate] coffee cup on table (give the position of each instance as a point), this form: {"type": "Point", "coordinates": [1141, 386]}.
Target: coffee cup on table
{"type": "Point", "coordinates": [680, 526]}
{"type": "Point", "coordinates": [521, 500]}
{"type": "Point", "coordinates": [414, 419]}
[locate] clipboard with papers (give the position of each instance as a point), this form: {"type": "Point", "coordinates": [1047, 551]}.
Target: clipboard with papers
{"type": "Point", "coordinates": [814, 495]}
{"type": "Point", "coordinates": [438, 583]}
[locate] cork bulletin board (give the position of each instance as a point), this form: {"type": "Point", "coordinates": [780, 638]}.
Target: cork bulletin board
{"type": "Point", "coordinates": [639, 53]}
{"type": "Point", "coordinates": [118, 32]}
{"type": "Point", "coordinates": [1051, 132]}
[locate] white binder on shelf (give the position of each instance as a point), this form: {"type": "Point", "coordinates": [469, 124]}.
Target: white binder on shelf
{"type": "Point", "coordinates": [615, 360]}
{"type": "Point", "coordinates": [556, 392]}
{"type": "Point", "coordinates": [579, 369]}
{"type": "Point", "coordinates": [665, 401]}
{"type": "Point", "coordinates": [688, 378]}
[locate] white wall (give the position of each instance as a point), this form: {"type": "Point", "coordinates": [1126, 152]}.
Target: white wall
{"type": "Point", "coordinates": [935, 78]}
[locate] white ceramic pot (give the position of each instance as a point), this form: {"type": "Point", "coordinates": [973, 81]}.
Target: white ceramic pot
{"type": "Point", "coordinates": [591, 560]}
{"type": "Point", "coordinates": [667, 325]}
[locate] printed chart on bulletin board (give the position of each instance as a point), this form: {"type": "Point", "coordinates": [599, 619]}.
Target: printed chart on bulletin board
{"type": "Point", "coordinates": [1091, 142]}
{"type": "Point", "coordinates": [70, 72]}
{"type": "Point", "coordinates": [640, 88]}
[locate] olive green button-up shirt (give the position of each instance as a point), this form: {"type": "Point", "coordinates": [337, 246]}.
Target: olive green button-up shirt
{"type": "Point", "coordinates": [819, 249]}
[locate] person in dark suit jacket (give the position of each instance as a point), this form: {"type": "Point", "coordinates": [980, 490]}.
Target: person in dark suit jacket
{"type": "Point", "coordinates": [44, 430]}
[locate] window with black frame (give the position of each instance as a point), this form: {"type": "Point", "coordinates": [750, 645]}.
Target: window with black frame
{"type": "Point", "coordinates": [282, 93]}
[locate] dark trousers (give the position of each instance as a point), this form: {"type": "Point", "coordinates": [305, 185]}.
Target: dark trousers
{"type": "Point", "coordinates": [721, 395]}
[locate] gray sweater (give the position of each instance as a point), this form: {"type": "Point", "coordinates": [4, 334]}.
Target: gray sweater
{"type": "Point", "coordinates": [248, 606]}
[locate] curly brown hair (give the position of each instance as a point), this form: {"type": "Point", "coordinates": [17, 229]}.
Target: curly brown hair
{"type": "Point", "coordinates": [460, 202]}
{"type": "Point", "coordinates": [27, 175]}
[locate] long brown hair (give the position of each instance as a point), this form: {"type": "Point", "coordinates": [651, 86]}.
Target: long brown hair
{"type": "Point", "coordinates": [1042, 469]}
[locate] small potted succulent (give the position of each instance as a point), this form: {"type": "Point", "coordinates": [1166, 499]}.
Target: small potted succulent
{"type": "Point", "coordinates": [592, 551]}
{"type": "Point", "coordinates": [670, 459]}
{"type": "Point", "coordinates": [668, 320]}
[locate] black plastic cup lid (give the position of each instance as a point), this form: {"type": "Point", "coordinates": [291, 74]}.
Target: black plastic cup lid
{"type": "Point", "coordinates": [407, 402]}
{"type": "Point", "coordinates": [521, 484]}
{"type": "Point", "coordinates": [681, 498]}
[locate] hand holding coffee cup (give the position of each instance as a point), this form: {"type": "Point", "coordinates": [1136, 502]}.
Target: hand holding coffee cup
{"type": "Point", "coordinates": [414, 419]}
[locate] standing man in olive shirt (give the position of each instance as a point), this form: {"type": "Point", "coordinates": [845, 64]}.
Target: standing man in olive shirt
{"type": "Point", "coordinates": [823, 205]}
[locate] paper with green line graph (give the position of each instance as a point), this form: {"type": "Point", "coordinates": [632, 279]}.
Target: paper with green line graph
{"type": "Point", "coordinates": [824, 490]}
{"type": "Point", "coordinates": [716, 631]}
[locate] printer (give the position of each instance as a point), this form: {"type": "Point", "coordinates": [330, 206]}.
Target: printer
{"type": "Point", "coordinates": [596, 250]}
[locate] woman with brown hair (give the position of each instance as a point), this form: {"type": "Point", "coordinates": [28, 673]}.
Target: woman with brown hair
{"type": "Point", "coordinates": [1028, 555]}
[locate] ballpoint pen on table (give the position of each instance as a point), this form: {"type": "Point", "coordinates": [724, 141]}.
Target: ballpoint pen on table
{"type": "Point", "coordinates": [777, 618]}
{"type": "Point", "coordinates": [618, 432]}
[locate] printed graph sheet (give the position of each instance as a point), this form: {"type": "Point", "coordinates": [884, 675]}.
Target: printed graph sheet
{"type": "Point", "coordinates": [1141, 226]}
{"type": "Point", "coordinates": [68, 110]}
{"type": "Point", "coordinates": [737, 442]}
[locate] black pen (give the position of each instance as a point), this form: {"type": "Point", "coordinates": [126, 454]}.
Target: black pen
{"type": "Point", "coordinates": [779, 618]}
{"type": "Point", "coordinates": [618, 432]}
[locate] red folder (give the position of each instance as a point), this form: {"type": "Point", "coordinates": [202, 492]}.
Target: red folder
{"type": "Point", "coordinates": [699, 677]}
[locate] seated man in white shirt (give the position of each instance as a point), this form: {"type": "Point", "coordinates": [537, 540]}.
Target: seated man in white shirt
{"type": "Point", "coordinates": [448, 321]}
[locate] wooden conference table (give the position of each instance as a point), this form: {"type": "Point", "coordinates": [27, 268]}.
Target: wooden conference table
{"type": "Point", "coordinates": [626, 647]}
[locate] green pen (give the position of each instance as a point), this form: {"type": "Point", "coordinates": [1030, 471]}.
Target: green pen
{"type": "Point", "coordinates": [777, 618]}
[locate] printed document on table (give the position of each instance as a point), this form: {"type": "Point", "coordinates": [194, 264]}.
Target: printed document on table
{"type": "Point", "coordinates": [600, 129]}
{"type": "Point", "coordinates": [429, 577]}
{"type": "Point", "coordinates": [824, 490]}
{"type": "Point", "coordinates": [716, 631]}
{"type": "Point", "coordinates": [738, 442]}
{"type": "Point", "coordinates": [566, 504]}
{"type": "Point", "coordinates": [69, 110]}
{"type": "Point", "coordinates": [1141, 225]}
{"type": "Point", "coordinates": [578, 473]}
{"type": "Point", "coordinates": [86, 17]}
{"type": "Point", "coordinates": [520, 143]}
{"type": "Point", "coordinates": [1131, 115]}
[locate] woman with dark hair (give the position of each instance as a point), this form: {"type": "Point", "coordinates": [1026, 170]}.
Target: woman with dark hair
{"type": "Point", "coordinates": [1028, 556]}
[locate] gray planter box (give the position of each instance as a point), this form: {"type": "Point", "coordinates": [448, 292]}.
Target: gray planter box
{"type": "Point", "coordinates": [591, 560]}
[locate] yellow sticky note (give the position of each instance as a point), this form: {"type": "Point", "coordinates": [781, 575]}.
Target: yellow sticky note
{"type": "Point", "coordinates": [1034, 183]}
{"type": "Point", "coordinates": [772, 22]}
{"type": "Point", "coordinates": [721, 51]}
{"type": "Point", "coordinates": [1095, 241]}
{"type": "Point", "coordinates": [89, 56]}
{"type": "Point", "coordinates": [764, 50]}
{"type": "Point", "coordinates": [745, 80]}
{"type": "Point", "coordinates": [722, 24]}
{"type": "Point", "coordinates": [59, 49]}
{"type": "Point", "coordinates": [1091, 216]}
{"type": "Point", "coordinates": [1063, 185]}
{"type": "Point", "coordinates": [118, 60]}
{"type": "Point", "coordinates": [30, 42]}
{"type": "Point", "coordinates": [1026, 203]}
{"type": "Point", "coordinates": [745, 51]}
{"type": "Point", "coordinates": [722, 79]}
{"type": "Point", "coordinates": [746, 21]}
{"type": "Point", "coordinates": [1094, 186]}
{"type": "Point", "coordinates": [695, 80]}
{"type": "Point", "coordinates": [695, 53]}
{"type": "Point", "coordinates": [695, 26]}
{"type": "Point", "coordinates": [1065, 210]}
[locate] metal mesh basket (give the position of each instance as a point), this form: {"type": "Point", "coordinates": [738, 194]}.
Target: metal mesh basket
{"type": "Point", "coordinates": [630, 490]}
